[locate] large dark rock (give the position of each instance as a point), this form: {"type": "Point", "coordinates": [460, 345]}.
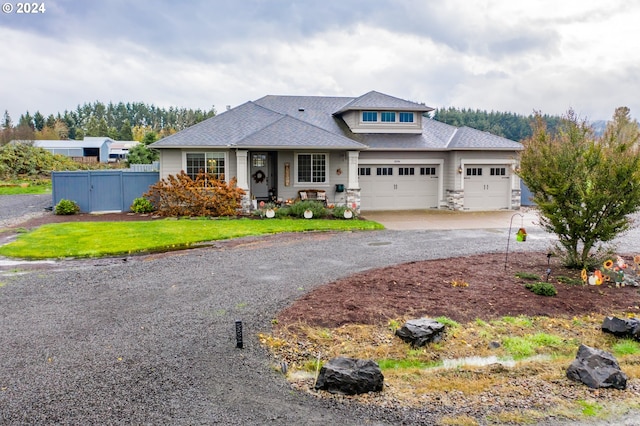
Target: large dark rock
{"type": "Point", "coordinates": [628, 327]}
{"type": "Point", "coordinates": [350, 376]}
{"type": "Point", "coordinates": [421, 331]}
{"type": "Point", "coordinates": [596, 369]}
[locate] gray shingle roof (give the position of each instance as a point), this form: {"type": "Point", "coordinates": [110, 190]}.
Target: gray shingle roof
{"type": "Point", "coordinates": [315, 122]}
{"type": "Point", "coordinates": [471, 139]}
{"type": "Point", "coordinates": [224, 129]}
{"type": "Point", "coordinates": [289, 132]}
{"type": "Point", "coordinates": [380, 101]}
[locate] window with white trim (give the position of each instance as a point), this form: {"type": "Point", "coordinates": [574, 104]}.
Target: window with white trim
{"type": "Point", "coordinates": [427, 171]}
{"type": "Point", "coordinates": [364, 171]}
{"type": "Point", "coordinates": [406, 117]}
{"type": "Point", "coordinates": [406, 171]}
{"type": "Point", "coordinates": [384, 171]}
{"type": "Point", "coordinates": [206, 162]}
{"type": "Point", "coordinates": [312, 168]}
{"type": "Point", "coordinates": [388, 117]}
{"type": "Point", "coordinates": [369, 116]}
{"type": "Point", "coordinates": [498, 171]}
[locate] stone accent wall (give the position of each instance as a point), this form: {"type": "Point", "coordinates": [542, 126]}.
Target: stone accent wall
{"type": "Point", "coordinates": [516, 199]}
{"type": "Point", "coordinates": [245, 203]}
{"type": "Point", "coordinates": [455, 199]}
{"type": "Point", "coordinates": [353, 199]}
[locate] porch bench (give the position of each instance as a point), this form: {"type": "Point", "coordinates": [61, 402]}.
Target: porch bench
{"type": "Point", "coordinates": [313, 195]}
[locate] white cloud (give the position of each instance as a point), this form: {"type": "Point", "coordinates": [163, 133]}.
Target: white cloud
{"type": "Point", "coordinates": [494, 54]}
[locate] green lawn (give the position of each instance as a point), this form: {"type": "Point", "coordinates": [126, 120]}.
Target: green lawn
{"type": "Point", "coordinates": [95, 239]}
{"type": "Point", "coordinates": [14, 188]}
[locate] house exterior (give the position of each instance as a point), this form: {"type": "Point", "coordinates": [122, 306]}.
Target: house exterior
{"type": "Point", "coordinates": [372, 152]}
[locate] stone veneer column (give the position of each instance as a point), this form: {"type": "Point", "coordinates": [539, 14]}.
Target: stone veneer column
{"type": "Point", "coordinates": [455, 199]}
{"type": "Point", "coordinates": [353, 187]}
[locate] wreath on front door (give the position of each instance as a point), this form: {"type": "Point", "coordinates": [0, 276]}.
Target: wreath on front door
{"type": "Point", "coordinates": [258, 176]}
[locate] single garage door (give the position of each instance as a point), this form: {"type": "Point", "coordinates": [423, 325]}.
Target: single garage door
{"type": "Point", "coordinates": [487, 187]}
{"type": "Point", "coordinates": [394, 187]}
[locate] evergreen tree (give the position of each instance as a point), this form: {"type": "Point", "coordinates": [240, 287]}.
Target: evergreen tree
{"type": "Point", "coordinates": [125, 131]}
{"type": "Point", "coordinates": [38, 121]}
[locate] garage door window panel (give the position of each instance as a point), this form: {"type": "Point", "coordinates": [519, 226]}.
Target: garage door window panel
{"type": "Point", "coordinates": [384, 171]}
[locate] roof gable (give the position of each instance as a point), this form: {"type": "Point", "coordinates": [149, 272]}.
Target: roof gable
{"type": "Point", "coordinates": [381, 102]}
{"type": "Point", "coordinates": [289, 132]}
{"type": "Point", "coordinates": [225, 129]}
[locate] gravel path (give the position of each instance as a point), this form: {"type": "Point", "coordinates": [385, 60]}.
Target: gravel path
{"type": "Point", "coordinates": [17, 208]}
{"type": "Point", "coordinates": [151, 340]}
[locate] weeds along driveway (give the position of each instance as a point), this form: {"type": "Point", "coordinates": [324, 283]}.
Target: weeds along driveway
{"type": "Point", "coordinates": [151, 340]}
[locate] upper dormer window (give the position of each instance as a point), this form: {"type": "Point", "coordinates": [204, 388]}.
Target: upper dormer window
{"type": "Point", "coordinates": [388, 117]}
{"type": "Point", "coordinates": [406, 117]}
{"type": "Point", "coordinates": [369, 116]}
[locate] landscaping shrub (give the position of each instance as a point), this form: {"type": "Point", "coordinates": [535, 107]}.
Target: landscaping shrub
{"type": "Point", "coordinates": [338, 211]}
{"type": "Point", "coordinates": [542, 288]}
{"type": "Point", "coordinates": [142, 205]}
{"type": "Point", "coordinates": [205, 195]}
{"type": "Point", "coordinates": [67, 207]}
{"type": "Point", "coordinates": [24, 159]}
{"type": "Point", "coordinates": [298, 209]}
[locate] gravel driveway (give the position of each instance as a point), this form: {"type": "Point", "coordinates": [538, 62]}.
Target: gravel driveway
{"type": "Point", "coordinates": [151, 340]}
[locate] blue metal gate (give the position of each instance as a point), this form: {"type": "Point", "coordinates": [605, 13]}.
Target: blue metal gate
{"type": "Point", "coordinates": [101, 190]}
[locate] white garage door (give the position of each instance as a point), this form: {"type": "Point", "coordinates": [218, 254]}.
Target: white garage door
{"type": "Point", "coordinates": [394, 187]}
{"type": "Point", "coordinates": [487, 187]}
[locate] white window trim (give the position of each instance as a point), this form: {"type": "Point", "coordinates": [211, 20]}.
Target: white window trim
{"type": "Point", "coordinates": [226, 160]}
{"type": "Point", "coordinates": [314, 184]}
{"type": "Point", "coordinates": [380, 123]}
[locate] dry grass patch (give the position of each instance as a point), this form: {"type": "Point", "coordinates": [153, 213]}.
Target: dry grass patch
{"type": "Point", "coordinates": [416, 377]}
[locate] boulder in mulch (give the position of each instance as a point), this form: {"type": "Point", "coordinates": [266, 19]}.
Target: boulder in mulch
{"type": "Point", "coordinates": [622, 327]}
{"type": "Point", "coordinates": [596, 369]}
{"type": "Point", "coordinates": [421, 331]}
{"type": "Point", "coordinates": [350, 376]}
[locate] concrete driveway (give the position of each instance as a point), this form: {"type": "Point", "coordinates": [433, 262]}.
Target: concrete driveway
{"type": "Point", "coordinates": [402, 220]}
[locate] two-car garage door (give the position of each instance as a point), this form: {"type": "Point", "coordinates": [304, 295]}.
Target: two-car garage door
{"type": "Point", "coordinates": [398, 187]}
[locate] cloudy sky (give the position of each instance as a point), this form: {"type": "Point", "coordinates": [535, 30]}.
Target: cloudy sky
{"type": "Point", "coordinates": [501, 55]}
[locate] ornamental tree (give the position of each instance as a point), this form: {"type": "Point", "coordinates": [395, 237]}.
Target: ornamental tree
{"type": "Point", "coordinates": [585, 186]}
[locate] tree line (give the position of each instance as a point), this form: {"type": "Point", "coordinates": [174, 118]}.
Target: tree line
{"type": "Point", "coordinates": [148, 123]}
{"type": "Point", "coordinates": [506, 124]}
{"type": "Point", "coordinates": [130, 121]}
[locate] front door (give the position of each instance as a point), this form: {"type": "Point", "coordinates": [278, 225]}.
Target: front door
{"type": "Point", "coordinates": [260, 175]}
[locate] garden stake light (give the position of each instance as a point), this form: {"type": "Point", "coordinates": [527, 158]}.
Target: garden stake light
{"type": "Point", "coordinates": [239, 334]}
{"type": "Point", "coordinates": [518, 236]}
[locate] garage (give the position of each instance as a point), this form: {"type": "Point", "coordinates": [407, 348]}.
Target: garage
{"type": "Point", "coordinates": [398, 187]}
{"type": "Point", "coordinates": [487, 187]}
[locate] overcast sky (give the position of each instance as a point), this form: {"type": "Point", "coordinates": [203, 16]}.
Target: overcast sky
{"type": "Point", "coordinates": [501, 55]}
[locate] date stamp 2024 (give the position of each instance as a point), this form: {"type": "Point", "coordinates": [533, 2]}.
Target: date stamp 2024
{"type": "Point", "coordinates": [24, 8]}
